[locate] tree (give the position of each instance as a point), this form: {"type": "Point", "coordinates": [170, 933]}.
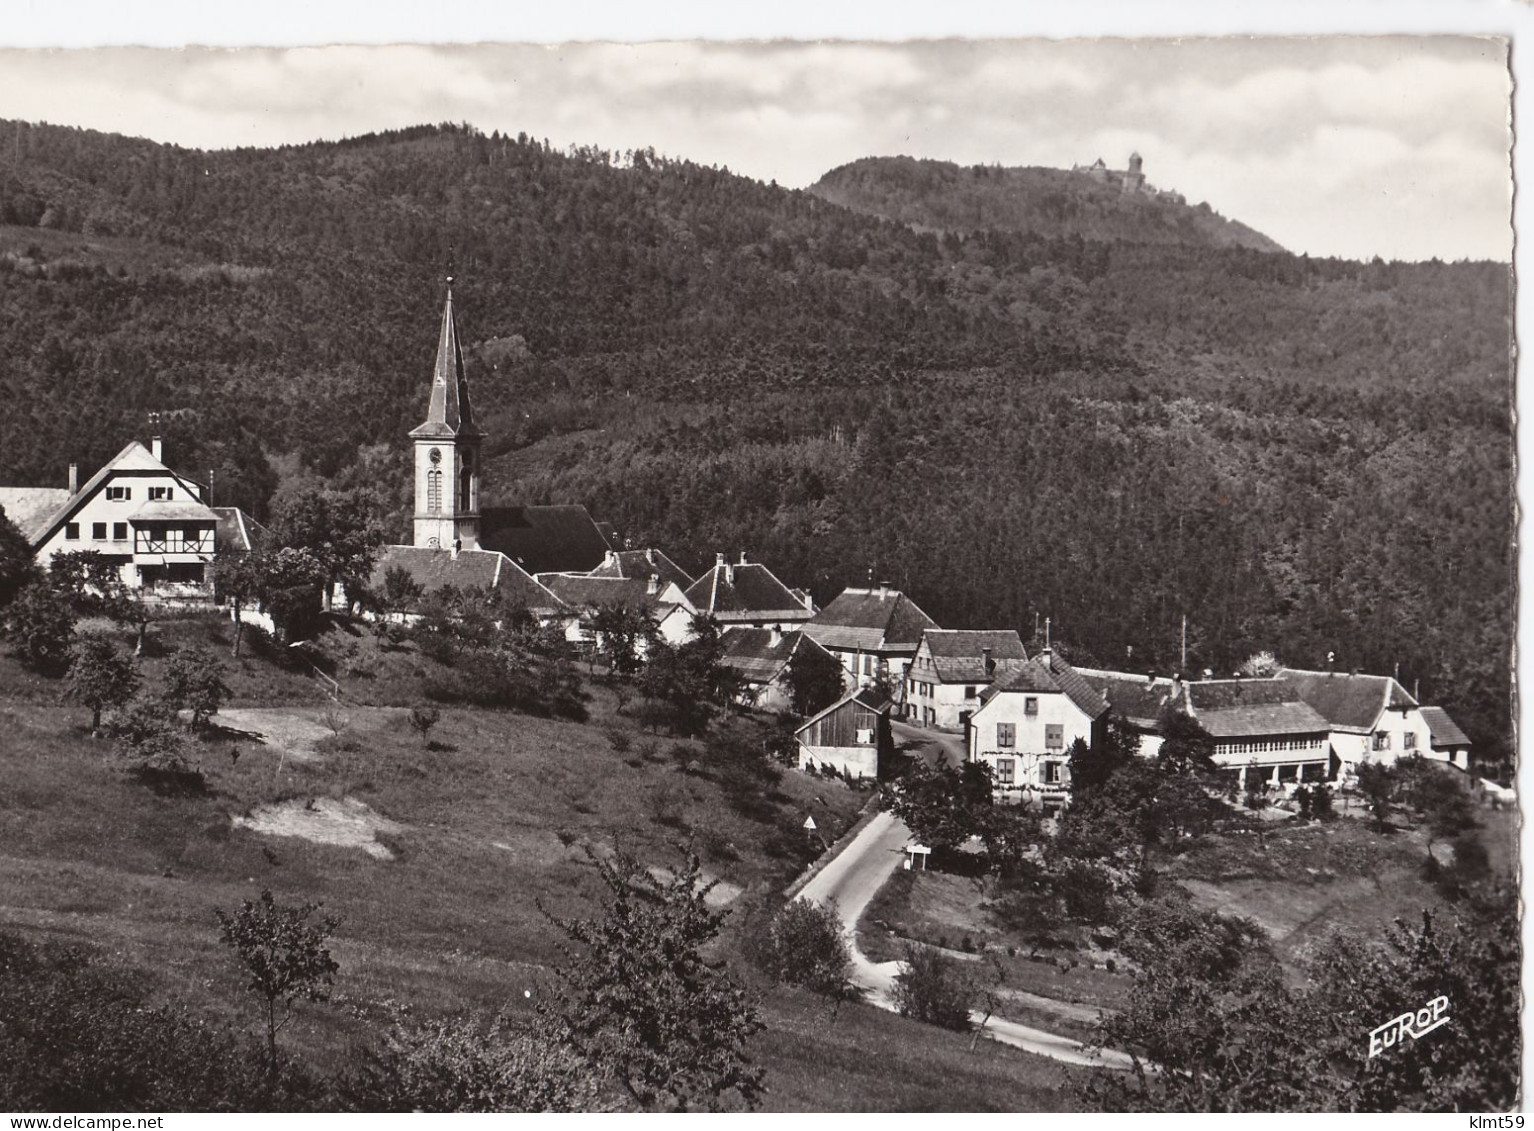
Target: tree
{"type": "Point", "coordinates": [100, 676]}
{"type": "Point", "coordinates": [194, 682]}
{"type": "Point", "coordinates": [422, 719]}
{"type": "Point", "coordinates": [1377, 782]}
{"type": "Point", "coordinates": [400, 593]}
{"type": "Point", "coordinates": [804, 945]}
{"type": "Point", "coordinates": [689, 678]}
{"type": "Point", "coordinates": [642, 1003]}
{"type": "Point", "coordinates": [1092, 766]}
{"type": "Point", "coordinates": [290, 587]}
{"type": "Point", "coordinates": [339, 528]}
{"type": "Point", "coordinates": [814, 678]}
{"type": "Point", "coordinates": [1185, 745]}
{"type": "Point", "coordinates": [943, 806]}
{"type": "Point", "coordinates": [285, 955]}
{"type": "Point", "coordinates": [17, 565]}
{"type": "Point", "coordinates": [623, 634]}
{"type": "Point", "coordinates": [239, 580]}
{"type": "Point", "coordinates": [930, 988]}
{"type": "Point", "coordinates": [40, 624]}
{"type": "Point", "coordinates": [1438, 795]}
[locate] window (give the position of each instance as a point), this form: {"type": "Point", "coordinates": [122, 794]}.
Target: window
{"type": "Point", "coordinates": [192, 533]}
{"type": "Point", "coordinates": [1031, 705]}
{"type": "Point", "coordinates": [1006, 735]}
{"type": "Point", "coordinates": [98, 532]}
{"type": "Point", "coordinates": [1409, 740]}
{"type": "Point", "coordinates": [1006, 771]}
{"type": "Point", "coordinates": [865, 736]}
{"type": "Point", "coordinates": [119, 494]}
{"type": "Point", "coordinates": [969, 691]}
{"type": "Point", "coordinates": [434, 490]}
{"type": "Point", "coordinates": [119, 531]}
{"type": "Point", "coordinates": [159, 494]}
{"type": "Point", "coordinates": [1051, 773]}
{"type": "Point", "coordinates": [72, 531]}
{"type": "Point", "coordinates": [1054, 736]}
{"type": "Point", "coordinates": [1382, 740]}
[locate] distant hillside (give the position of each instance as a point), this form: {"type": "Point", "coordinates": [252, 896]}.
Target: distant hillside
{"type": "Point", "coordinates": [942, 196]}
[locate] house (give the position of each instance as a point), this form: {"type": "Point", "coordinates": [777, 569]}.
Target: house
{"type": "Point", "coordinates": [1263, 726]}
{"type": "Point", "coordinates": [643, 563]}
{"type": "Point", "coordinates": [748, 595]}
{"type": "Point", "coordinates": [1446, 741]}
{"type": "Point", "coordinates": [1026, 724]}
{"type": "Point", "coordinates": [759, 658]}
{"type": "Point", "coordinates": [874, 632]}
{"type": "Point", "coordinates": [138, 514]}
{"type": "Point", "coordinates": [664, 603]}
{"type": "Point", "coordinates": [29, 508]}
{"type": "Point", "coordinates": [1137, 700]}
{"type": "Point", "coordinates": [1371, 717]}
{"type": "Point", "coordinates": [951, 667]}
{"type": "Point", "coordinates": [851, 737]}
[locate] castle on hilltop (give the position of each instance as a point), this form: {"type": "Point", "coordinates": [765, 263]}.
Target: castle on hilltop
{"type": "Point", "coordinates": [1129, 181]}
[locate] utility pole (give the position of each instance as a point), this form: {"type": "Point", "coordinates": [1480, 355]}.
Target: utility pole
{"type": "Point", "coordinates": [1185, 642]}
{"type": "Point", "coordinates": [1046, 631]}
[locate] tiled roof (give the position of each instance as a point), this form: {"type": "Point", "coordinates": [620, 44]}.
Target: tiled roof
{"type": "Point", "coordinates": [448, 414]}
{"type": "Point", "coordinates": [743, 592]}
{"type": "Point", "coordinates": [584, 591]}
{"type": "Point", "coordinates": [871, 619]}
{"type": "Point", "coordinates": [28, 508]}
{"type": "Point", "coordinates": [1445, 732]}
{"type": "Point", "coordinates": [238, 532]}
{"type": "Point", "coordinates": [548, 539]}
{"type": "Point", "coordinates": [753, 654]}
{"type": "Point", "coordinates": [1242, 708]}
{"type": "Point", "coordinates": [1047, 672]}
{"type": "Point", "coordinates": [1352, 702]}
{"type": "Point", "coordinates": [173, 510]}
{"type": "Point", "coordinates": [958, 655]}
{"type": "Point", "coordinates": [469, 569]}
{"type": "Point", "coordinates": [1137, 699]}
{"type": "Point", "coordinates": [642, 563]}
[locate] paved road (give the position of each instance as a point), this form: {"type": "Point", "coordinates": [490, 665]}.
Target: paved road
{"type": "Point", "coordinates": [850, 882]}
{"type": "Point", "coordinates": [930, 744]}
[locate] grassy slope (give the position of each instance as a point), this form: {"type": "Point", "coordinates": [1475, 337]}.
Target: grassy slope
{"type": "Point", "coordinates": [495, 824]}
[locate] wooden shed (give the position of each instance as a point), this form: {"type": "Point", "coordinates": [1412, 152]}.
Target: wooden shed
{"type": "Point", "coordinates": [851, 737]}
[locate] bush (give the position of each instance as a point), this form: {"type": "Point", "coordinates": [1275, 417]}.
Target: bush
{"type": "Point", "coordinates": [804, 946]}
{"type": "Point", "coordinates": [929, 988]}
{"type": "Point", "coordinates": [618, 739]}
{"type": "Point", "coordinates": [466, 1065]}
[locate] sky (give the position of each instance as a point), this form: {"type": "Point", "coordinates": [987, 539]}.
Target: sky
{"type": "Point", "coordinates": [1345, 146]}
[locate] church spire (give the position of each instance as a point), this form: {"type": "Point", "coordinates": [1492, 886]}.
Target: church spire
{"type": "Point", "coordinates": [449, 413]}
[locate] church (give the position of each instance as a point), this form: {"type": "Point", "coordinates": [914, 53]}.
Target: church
{"type": "Point", "coordinates": [458, 541]}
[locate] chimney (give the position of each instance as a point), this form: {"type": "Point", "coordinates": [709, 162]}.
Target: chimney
{"type": "Point", "coordinates": [729, 575]}
{"type": "Point", "coordinates": [156, 448]}
{"type": "Point", "coordinates": [884, 590]}
{"type": "Point", "coordinates": [776, 637]}
{"type": "Point", "coordinates": [743, 557]}
{"type": "Point", "coordinates": [610, 558]}
{"type": "Point", "coordinates": [649, 556]}
{"type": "Point", "coordinates": [653, 585]}
{"type": "Point", "coordinates": [718, 560]}
{"type": "Point", "coordinates": [74, 478]}
{"type": "Point", "coordinates": [990, 664]}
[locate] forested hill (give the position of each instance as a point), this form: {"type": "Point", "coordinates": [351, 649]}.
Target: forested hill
{"type": "Point", "coordinates": [944, 197]}
{"type": "Point", "coordinates": [1301, 455]}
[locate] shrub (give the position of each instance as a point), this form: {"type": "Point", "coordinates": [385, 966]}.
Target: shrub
{"type": "Point", "coordinates": [422, 719]}
{"type": "Point", "coordinates": [618, 739]}
{"type": "Point", "coordinates": [804, 945]}
{"type": "Point", "coordinates": [930, 988]}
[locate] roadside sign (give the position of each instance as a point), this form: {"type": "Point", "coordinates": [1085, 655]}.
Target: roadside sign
{"type": "Point", "coordinates": [809, 824]}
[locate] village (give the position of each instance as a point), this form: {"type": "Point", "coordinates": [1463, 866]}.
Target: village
{"type": "Point", "coordinates": [1018, 714]}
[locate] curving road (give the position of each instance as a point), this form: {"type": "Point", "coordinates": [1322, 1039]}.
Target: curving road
{"type": "Point", "coordinates": [849, 883]}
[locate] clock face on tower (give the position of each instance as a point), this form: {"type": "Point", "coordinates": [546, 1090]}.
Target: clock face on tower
{"type": "Point", "coordinates": [435, 455]}
{"type": "Point", "coordinates": [433, 543]}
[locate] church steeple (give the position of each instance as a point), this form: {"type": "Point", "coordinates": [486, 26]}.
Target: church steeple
{"type": "Point", "coordinates": [447, 451]}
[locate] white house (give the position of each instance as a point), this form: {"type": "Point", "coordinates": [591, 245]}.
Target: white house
{"type": "Point", "coordinates": [1371, 717]}
{"type": "Point", "coordinates": [1025, 727]}
{"type": "Point", "coordinates": [874, 632]}
{"type": "Point", "coordinates": [951, 667]}
{"type": "Point", "coordinates": [1448, 742]}
{"type": "Point", "coordinates": [147, 520]}
{"type": "Point", "coordinates": [759, 657]}
{"type": "Point", "coordinates": [663, 602]}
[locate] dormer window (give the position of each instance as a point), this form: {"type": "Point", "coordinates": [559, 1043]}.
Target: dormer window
{"type": "Point", "coordinates": [119, 494]}
{"type": "Point", "coordinates": [159, 494]}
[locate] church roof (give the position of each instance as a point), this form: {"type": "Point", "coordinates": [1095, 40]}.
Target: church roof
{"type": "Point", "coordinates": [449, 414]}
{"type": "Point", "coordinates": [468, 569]}
{"type": "Point", "coordinates": [551, 539]}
